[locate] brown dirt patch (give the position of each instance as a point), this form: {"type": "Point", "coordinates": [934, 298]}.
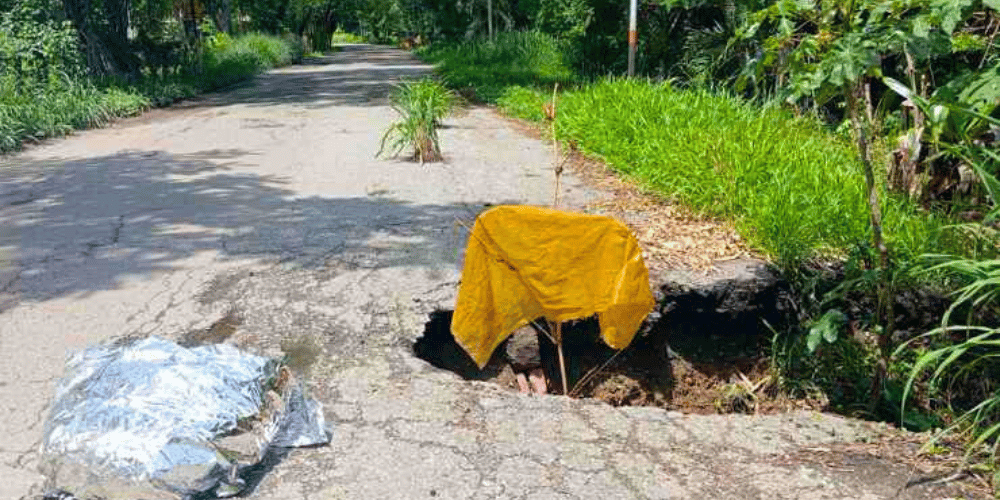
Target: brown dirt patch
{"type": "Point", "coordinates": [742, 386]}
{"type": "Point", "coordinates": [942, 467]}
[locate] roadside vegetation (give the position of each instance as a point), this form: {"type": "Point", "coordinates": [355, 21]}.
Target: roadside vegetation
{"type": "Point", "coordinates": [482, 70]}
{"type": "Point", "coordinates": [49, 87]}
{"type": "Point", "coordinates": [854, 143]}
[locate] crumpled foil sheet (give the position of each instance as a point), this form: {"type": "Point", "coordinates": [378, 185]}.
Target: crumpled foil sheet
{"type": "Point", "coordinates": [151, 419]}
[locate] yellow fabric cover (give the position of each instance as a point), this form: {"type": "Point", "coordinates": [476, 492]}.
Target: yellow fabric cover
{"type": "Point", "coordinates": [525, 262]}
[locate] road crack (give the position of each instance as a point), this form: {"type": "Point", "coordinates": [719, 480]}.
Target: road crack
{"type": "Point", "coordinates": [116, 231]}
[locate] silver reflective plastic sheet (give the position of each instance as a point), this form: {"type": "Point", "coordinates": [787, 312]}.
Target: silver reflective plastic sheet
{"type": "Point", "coordinates": [145, 419]}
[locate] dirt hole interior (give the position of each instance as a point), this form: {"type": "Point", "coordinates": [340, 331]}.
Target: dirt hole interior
{"type": "Point", "coordinates": [664, 366]}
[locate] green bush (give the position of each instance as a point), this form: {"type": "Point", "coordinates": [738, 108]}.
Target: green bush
{"type": "Point", "coordinates": [228, 60]}
{"type": "Point", "coordinates": [236, 63]}
{"type": "Point", "coordinates": [273, 52]}
{"type": "Point", "coordinates": [522, 102]}
{"type": "Point", "coordinates": [60, 108]}
{"type": "Point", "coordinates": [960, 357]}
{"type": "Point", "coordinates": [345, 37]}
{"type": "Point", "coordinates": [794, 190]}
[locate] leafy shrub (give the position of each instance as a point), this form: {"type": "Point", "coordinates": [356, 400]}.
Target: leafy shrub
{"type": "Point", "coordinates": [296, 47]}
{"type": "Point", "coordinates": [60, 108]}
{"type": "Point", "coordinates": [272, 51]}
{"type": "Point", "coordinates": [226, 67]}
{"type": "Point", "coordinates": [963, 358]}
{"type": "Point", "coordinates": [344, 37]}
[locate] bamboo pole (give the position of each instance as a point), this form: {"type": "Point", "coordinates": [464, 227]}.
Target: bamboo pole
{"type": "Point", "coordinates": [552, 113]}
{"type": "Point", "coordinates": [562, 361]}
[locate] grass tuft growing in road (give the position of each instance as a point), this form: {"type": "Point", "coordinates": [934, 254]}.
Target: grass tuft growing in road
{"type": "Point", "coordinates": [421, 105]}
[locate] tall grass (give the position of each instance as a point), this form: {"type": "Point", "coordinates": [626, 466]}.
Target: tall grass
{"type": "Point", "coordinates": [794, 190]}
{"type": "Point", "coordinates": [525, 58]}
{"type": "Point", "coordinates": [58, 108]}
{"type": "Point", "coordinates": [35, 110]}
{"type": "Point", "coordinates": [227, 60]}
{"type": "Point", "coordinates": [340, 37]}
{"type": "Point", "coordinates": [967, 357]}
{"type": "Point", "coordinates": [421, 106]}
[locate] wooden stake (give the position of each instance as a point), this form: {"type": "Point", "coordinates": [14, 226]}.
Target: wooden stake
{"type": "Point", "coordinates": [558, 167]}
{"type": "Point", "coordinates": [562, 361]}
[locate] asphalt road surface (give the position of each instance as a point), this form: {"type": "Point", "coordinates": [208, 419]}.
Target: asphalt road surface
{"type": "Point", "coordinates": [265, 205]}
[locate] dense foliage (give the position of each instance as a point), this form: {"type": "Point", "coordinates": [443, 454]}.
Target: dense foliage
{"type": "Point", "coordinates": [45, 90]}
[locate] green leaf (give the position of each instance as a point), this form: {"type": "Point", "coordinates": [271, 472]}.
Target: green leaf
{"type": "Point", "coordinates": [827, 328]}
{"type": "Point", "coordinates": [921, 26]}
{"type": "Point", "coordinates": [990, 181]}
{"type": "Point", "coordinates": [938, 114]}
{"type": "Point", "coordinates": [812, 340]}
{"type": "Point", "coordinates": [951, 12]}
{"type": "Point", "coordinates": [897, 87]}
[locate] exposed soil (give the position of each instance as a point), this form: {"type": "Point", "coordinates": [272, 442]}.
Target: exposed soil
{"type": "Point", "coordinates": [702, 357]}
{"type": "Point", "coordinates": [648, 373]}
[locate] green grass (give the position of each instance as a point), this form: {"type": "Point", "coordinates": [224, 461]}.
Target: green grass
{"type": "Point", "coordinates": [227, 60]}
{"type": "Point", "coordinates": [345, 37]}
{"type": "Point", "coordinates": [59, 108]}
{"type": "Point", "coordinates": [421, 105]}
{"type": "Point", "coordinates": [529, 59]}
{"type": "Point", "coordinates": [38, 110]}
{"type": "Point", "coordinates": [795, 191]}
{"type": "Point", "coordinates": [963, 359]}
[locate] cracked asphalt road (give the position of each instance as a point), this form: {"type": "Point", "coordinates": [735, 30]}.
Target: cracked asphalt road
{"type": "Point", "coordinates": [266, 201]}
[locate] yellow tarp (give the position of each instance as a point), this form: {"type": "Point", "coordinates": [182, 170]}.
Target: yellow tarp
{"type": "Point", "coordinates": [523, 263]}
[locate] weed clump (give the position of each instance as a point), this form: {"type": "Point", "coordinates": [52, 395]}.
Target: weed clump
{"type": "Point", "coordinates": [422, 105]}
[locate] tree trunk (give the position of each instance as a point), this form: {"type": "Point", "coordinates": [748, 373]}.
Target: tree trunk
{"type": "Point", "coordinates": [886, 314]}
{"type": "Point", "coordinates": [224, 16]}
{"type": "Point", "coordinates": [108, 51]}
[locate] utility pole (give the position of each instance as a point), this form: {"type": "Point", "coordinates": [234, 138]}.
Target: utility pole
{"type": "Point", "coordinates": [633, 37]}
{"type": "Point", "coordinates": [489, 17]}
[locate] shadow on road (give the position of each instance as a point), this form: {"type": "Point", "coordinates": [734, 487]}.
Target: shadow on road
{"type": "Point", "coordinates": [73, 226]}
{"type": "Point", "coordinates": [358, 75]}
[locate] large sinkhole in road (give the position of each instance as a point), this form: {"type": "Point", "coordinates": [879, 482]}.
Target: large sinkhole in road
{"type": "Point", "coordinates": [678, 360]}
{"type": "Point", "coordinates": [706, 348]}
